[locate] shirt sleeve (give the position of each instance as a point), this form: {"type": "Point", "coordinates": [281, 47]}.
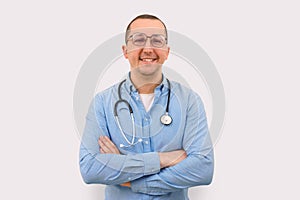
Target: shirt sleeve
{"type": "Point", "coordinates": [109, 169]}
{"type": "Point", "coordinates": [196, 169]}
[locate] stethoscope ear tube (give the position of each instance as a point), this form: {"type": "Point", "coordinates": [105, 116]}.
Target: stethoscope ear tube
{"type": "Point", "coordinates": [121, 100]}
{"type": "Point", "coordinates": [119, 89]}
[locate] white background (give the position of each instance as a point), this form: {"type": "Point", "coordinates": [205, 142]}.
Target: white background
{"type": "Point", "coordinates": [254, 45]}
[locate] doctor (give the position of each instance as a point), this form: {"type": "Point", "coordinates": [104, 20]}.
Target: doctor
{"type": "Point", "coordinates": [146, 137]}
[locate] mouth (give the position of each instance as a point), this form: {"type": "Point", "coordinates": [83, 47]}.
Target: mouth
{"type": "Point", "coordinates": [148, 60]}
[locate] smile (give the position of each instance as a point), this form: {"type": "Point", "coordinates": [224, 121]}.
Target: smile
{"type": "Point", "coordinates": [148, 59]}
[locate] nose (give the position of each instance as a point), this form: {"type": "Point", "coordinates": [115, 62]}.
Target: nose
{"type": "Point", "coordinates": [148, 47]}
{"type": "Point", "coordinates": [148, 43]}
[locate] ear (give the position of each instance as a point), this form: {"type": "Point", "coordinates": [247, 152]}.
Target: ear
{"type": "Point", "coordinates": [124, 49]}
{"type": "Point", "coordinates": [167, 53]}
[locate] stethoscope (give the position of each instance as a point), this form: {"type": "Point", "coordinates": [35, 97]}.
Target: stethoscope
{"type": "Point", "coordinates": [165, 119]}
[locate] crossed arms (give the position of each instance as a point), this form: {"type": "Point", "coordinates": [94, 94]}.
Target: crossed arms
{"type": "Point", "coordinates": [167, 159]}
{"type": "Point", "coordinates": [154, 173]}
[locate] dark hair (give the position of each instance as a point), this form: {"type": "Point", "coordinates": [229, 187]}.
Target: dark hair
{"type": "Point", "coordinates": [144, 16]}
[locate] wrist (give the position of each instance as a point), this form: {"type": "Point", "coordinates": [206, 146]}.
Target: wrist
{"type": "Point", "coordinates": [162, 159]}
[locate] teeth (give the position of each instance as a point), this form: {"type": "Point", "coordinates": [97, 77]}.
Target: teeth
{"type": "Point", "coordinates": [148, 60]}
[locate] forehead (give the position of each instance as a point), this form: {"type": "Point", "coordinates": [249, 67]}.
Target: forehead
{"type": "Point", "coordinates": [148, 26]}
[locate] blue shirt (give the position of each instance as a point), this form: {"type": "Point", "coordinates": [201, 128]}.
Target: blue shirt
{"type": "Point", "coordinates": [139, 164]}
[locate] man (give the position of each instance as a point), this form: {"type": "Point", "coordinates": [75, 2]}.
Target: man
{"type": "Point", "coordinates": [146, 137]}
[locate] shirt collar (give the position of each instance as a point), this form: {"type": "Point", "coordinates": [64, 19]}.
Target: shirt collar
{"type": "Point", "coordinates": [130, 87]}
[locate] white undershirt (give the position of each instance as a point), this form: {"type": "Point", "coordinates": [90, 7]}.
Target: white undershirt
{"type": "Point", "coordinates": [147, 100]}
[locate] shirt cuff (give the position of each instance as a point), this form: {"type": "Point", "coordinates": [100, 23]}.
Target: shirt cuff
{"type": "Point", "coordinates": [151, 163]}
{"type": "Point", "coordinates": [151, 166]}
{"type": "Point", "coordinates": [138, 185]}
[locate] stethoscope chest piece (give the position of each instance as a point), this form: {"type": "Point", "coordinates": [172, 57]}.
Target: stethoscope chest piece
{"type": "Point", "coordinates": [166, 119]}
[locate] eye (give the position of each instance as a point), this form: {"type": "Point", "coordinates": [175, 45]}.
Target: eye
{"type": "Point", "coordinates": [139, 39]}
{"type": "Point", "coordinates": [157, 40]}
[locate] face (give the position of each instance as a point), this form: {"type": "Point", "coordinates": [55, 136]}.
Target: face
{"type": "Point", "coordinates": [147, 59]}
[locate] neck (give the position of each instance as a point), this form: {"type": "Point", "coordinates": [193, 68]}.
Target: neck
{"type": "Point", "coordinates": [145, 84]}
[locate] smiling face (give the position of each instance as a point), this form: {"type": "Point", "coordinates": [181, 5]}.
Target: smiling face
{"type": "Point", "coordinates": [146, 60]}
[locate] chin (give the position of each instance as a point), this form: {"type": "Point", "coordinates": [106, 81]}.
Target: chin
{"type": "Point", "coordinates": [149, 65]}
{"type": "Point", "coordinates": [149, 69]}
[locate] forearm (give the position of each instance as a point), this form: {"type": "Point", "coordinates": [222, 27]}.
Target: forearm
{"type": "Point", "coordinates": [113, 169]}
{"type": "Point", "coordinates": [167, 159]}
{"type": "Point", "coordinates": [193, 171]}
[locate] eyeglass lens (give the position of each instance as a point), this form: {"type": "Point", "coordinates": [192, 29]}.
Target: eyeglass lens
{"type": "Point", "coordinates": [156, 40]}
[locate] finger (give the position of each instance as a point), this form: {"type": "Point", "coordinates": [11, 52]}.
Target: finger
{"type": "Point", "coordinates": [110, 145]}
{"type": "Point", "coordinates": [104, 148]}
{"type": "Point", "coordinates": [107, 145]}
{"type": "Point", "coordinates": [99, 141]}
{"type": "Point", "coordinates": [101, 151]}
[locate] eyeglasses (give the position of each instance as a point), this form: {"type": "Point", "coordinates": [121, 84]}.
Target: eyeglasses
{"type": "Point", "coordinates": [140, 39]}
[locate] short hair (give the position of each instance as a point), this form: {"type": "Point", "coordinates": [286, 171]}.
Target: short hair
{"type": "Point", "coordinates": [144, 16]}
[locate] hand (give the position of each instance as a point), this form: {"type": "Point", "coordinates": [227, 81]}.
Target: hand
{"type": "Point", "coordinates": [168, 159]}
{"type": "Point", "coordinates": [107, 146]}
{"type": "Point", "coordinates": [127, 184]}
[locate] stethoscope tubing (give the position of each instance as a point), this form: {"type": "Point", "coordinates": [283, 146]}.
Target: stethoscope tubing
{"type": "Point", "coordinates": [121, 100]}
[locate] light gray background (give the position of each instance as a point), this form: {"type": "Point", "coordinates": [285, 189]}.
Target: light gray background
{"type": "Point", "coordinates": [254, 45]}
